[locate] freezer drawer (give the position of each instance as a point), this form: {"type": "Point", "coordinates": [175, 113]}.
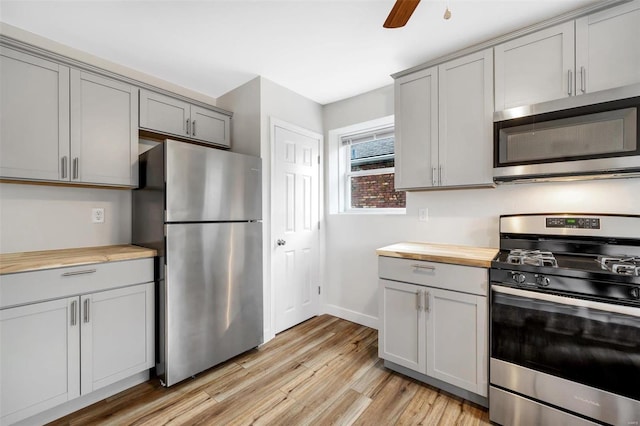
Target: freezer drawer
{"type": "Point", "coordinates": [211, 297]}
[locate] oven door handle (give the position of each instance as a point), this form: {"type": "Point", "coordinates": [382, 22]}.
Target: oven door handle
{"type": "Point", "coordinates": [562, 300]}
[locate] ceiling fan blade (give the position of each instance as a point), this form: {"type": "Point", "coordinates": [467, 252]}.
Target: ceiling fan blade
{"type": "Point", "coordinates": [400, 13]}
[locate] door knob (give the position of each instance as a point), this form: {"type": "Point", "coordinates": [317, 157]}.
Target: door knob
{"type": "Point", "coordinates": [281, 242]}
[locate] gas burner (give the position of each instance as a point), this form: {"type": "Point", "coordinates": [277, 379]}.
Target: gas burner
{"type": "Point", "coordinates": [532, 257]}
{"type": "Point", "coordinates": [623, 265]}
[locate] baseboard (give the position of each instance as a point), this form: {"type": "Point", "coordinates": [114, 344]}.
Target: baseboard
{"type": "Point", "coordinates": [353, 316]}
{"type": "Point", "coordinates": [84, 401]}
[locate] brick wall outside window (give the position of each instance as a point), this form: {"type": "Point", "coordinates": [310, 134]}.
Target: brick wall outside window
{"type": "Point", "coordinates": [376, 191]}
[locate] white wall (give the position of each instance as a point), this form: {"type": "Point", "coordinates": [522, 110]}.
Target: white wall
{"type": "Point", "coordinates": [244, 101]}
{"type": "Point", "coordinates": [255, 103]}
{"type": "Point", "coordinates": [464, 216]}
{"type": "Point", "coordinates": [38, 217]}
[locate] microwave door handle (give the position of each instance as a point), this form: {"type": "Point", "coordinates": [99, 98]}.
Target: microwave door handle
{"type": "Point", "coordinates": [561, 300]}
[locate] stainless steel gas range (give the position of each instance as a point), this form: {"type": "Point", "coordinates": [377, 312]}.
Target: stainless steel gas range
{"type": "Point", "coordinates": [565, 320]}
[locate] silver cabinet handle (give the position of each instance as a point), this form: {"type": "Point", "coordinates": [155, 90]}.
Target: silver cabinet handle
{"type": "Point", "coordinates": [583, 80]}
{"type": "Point", "coordinates": [418, 300]}
{"type": "Point", "coordinates": [433, 177]}
{"type": "Point", "coordinates": [75, 168]}
{"type": "Point", "coordinates": [86, 310]}
{"type": "Point", "coordinates": [440, 175]}
{"type": "Point", "coordinates": [74, 313]}
{"type": "Point", "coordinates": [84, 271]}
{"type": "Point", "coordinates": [427, 306]}
{"type": "Point", "coordinates": [64, 167]}
{"type": "Point", "coordinates": [281, 242]}
{"type": "Point", "coordinates": [427, 267]}
{"type": "Point", "coordinates": [193, 127]}
{"type": "Point", "coordinates": [188, 127]}
{"type": "Point", "coordinates": [570, 82]}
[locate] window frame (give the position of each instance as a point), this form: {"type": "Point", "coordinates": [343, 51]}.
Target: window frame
{"type": "Point", "coordinates": [344, 167]}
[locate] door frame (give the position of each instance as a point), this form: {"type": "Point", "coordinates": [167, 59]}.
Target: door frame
{"type": "Point", "coordinates": [269, 231]}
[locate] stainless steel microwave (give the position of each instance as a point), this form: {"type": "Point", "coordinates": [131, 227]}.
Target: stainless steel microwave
{"type": "Point", "coordinates": [586, 136]}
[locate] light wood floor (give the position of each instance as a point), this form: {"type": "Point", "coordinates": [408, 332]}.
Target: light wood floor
{"type": "Point", "coordinates": [324, 371]}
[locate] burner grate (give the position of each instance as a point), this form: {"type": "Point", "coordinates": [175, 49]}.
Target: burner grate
{"type": "Point", "coordinates": [622, 265]}
{"type": "Point", "coordinates": [532, 257]}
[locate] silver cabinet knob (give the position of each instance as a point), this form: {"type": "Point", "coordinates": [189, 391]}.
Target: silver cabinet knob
{"type": "Point", "coordinates": [281, 242]}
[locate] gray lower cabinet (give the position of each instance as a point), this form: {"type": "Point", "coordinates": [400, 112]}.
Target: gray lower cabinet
{"type": "Point", "coordinates": [56, 350]}
{"type": "Point", "coordinates": [39, 357]}
{"type": "Point", "coordinates": [64, 125]}
{"type": "Point", "coordinates": [171, 116]}
{"type": "Point", "coordinates": [433, 321]}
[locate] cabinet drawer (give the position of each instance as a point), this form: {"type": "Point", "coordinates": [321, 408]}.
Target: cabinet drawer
{"type": "Point", "coordinates": [29, 287]}
{"type": "Point", "coordinates": [466, 279]}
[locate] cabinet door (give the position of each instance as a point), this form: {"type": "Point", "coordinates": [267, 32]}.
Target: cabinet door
{"type": "Point", "coordinates": [117, 335]}
{"type": "Point", "coordinates": [608, 48]}
{"type": "Point", "coordinates": [39, 357]}
{"type": "Point", "coordinates": [164, 114]}
{"type": "Point", "coordinates": [465, 108]}
{"type": "Point", "coordinates": [401, 333]}
{"type": "Point", "coordinates": [457, 339]}
{"type": "Point", "coordinates": [34, 117]}
{"type": "Point", "coordinates": [416, 128]}
{"type": "Point", "coordinates": [535, 68]}
{"type": "Point", "coordinates": [104, 132]}
{"type": "Point", "coordinates": [210, 126]}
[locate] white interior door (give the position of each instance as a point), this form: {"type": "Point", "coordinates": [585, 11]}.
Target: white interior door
{"type": "Point", "coordinates": [295, 223]}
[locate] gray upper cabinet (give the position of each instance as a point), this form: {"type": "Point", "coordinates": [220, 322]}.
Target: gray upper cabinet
{"type": "Point", "coordinates": [596, 52]}
{"type": "Point", "coordinates": [210, 126]}
{"type": "Point", "coordinates": [164, 114]}
{"type": "Point", "coordinates": [104, 130]}
{"type": "Point", "coordinates": [416, 129]}
{"type": "Point", "coordinates": [34, 114]}
{"type": "Point", "coordinates": [443, 124]}
{"type": "Point", "coordinates": [535, 68]}
{"type": "Point", "coordinates": [170, 116]}
{"type": "Point", "coordinates": [465, 111]}
{"type": "Point", "coordinates": [608, 48]}
{"type": "Point", "coordinates": [65, 125]}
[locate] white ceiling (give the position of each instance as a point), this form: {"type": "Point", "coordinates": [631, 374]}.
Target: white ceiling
{"type": "Point", "coordinates": [325, 50]}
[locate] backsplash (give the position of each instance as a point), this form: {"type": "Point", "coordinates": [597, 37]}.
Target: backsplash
{"type": "Point", "coordinates": [38, 217]}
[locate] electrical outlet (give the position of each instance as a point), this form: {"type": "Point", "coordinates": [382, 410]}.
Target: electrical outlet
{"type": "Point", "coordinates": [97, 215]}
{"type": "Point", "coordinates": [423, 215]}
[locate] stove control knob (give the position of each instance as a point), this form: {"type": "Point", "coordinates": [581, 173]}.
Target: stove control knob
{"type": "Point", "coordinates": [518, 277]}
{"type": "Point", "coordinates": [635, 292]}
{"type": "Point", "coordinates": [543, 281]}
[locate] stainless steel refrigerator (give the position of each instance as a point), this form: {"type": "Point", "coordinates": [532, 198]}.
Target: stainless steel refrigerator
{"type": "Point", "coordinates": [201, 208]}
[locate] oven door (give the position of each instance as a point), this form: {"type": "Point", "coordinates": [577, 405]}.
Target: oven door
{"type": "Point", "coordinates": [574, 354]}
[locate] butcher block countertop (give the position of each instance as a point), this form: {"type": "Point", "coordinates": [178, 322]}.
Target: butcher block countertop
{"type": "Point", "coordinates": [47, 259]}
{"type": "Point", "coordinates": [444, 253]}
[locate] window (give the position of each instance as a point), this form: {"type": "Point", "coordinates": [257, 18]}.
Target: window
{"type": "Point", "coordinates": [367, 159]}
